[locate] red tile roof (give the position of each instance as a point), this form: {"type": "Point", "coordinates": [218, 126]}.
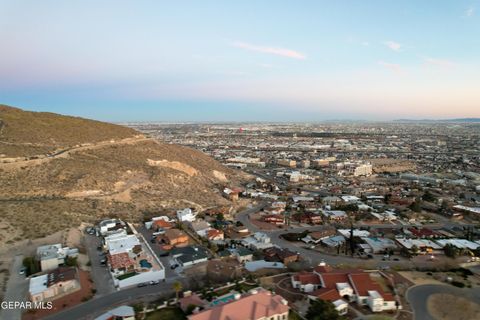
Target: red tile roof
{"type": "Point", "coordinates": [330, 280]}
{"type": "Point", "coordinates": [328, 294]}
{"type": "Point", "coordinates": [213, 233]}
{"type": "Point", "coordinates": [120, 260]}
{"type": "Point", "coordinates": [423, 232]}
{"type": "Point", "coordinates": [322, 269]}
{"type": "Point", "coordinates": [307, 278]}
{"type": "Point", "coordinates": [160, 223]}
{"type": "Point", "coordinates": [362, 283]}
{"type": "Point", "coordinates": [255, 306]}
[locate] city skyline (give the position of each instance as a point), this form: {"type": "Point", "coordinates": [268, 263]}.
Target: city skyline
{"type": "Point", "coordinates": [248, 61]}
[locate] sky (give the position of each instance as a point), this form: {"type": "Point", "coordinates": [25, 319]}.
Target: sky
{"type": "Point", "coordinates": [242, 60]}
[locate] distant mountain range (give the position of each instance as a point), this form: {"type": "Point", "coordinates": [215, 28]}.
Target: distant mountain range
{"type": "Point", "coordinates": [464, 120]}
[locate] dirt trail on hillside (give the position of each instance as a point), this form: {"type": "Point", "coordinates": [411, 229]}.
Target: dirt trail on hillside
{"type": "Point", "coordinates": [20, 162]}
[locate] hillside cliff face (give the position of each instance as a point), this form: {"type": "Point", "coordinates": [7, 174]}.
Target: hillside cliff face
{"type": "Point", "coordinates": [57, 170]}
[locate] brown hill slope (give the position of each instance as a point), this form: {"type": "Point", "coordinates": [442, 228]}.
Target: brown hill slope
{"type": "Point", "coordinates": [125, 177]}
{"type": "Point", "coordinates": [25, 133]}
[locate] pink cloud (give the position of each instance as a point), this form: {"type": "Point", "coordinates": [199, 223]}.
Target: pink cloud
{"type": "Point", "coordinates": [396, 68]}
{"type": "Point", "coordinates": [395, 46]}
{"type": "Point", "coordinates": [270, 50]}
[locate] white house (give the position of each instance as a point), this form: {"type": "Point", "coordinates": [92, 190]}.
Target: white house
{"type": "Point", "coordinates": [306, 281]}
{"type": "Point", "coordinates": [51, 256]}
{"type": "Point", "coordinates": [257, 241]}
{"type": "Point", "coordinates": [186, 215]}
{"type": "Point", "coordinates": [341, 306]}
{"type": "Point", "coordinates": [111, 226]}
{"type": "Point", "coordinates": [124, 243]}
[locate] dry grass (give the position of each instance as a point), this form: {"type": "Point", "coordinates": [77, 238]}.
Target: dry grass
{"type": "Point", "coordinates": [449, 307]}
{"type": "Point", "coordinates": [40, 198]}
{"type": "Point", "coordinates": [34, 133]}
{"type": "Point", "coordinates": [419, 278]}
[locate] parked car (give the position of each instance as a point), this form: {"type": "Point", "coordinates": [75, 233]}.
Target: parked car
{"type": "Point", "coordinates": [22, 270]}
{"type": "Point", "coordinates": [154, 282]}
{"type": "Point", "coordinates": [143, 284]}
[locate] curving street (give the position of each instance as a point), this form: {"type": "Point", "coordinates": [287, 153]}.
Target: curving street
{"type": "Point", "coordinates": [417, 296]}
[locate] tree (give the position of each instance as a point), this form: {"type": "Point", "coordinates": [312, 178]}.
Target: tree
{"type": "Point", "coordinates": [220, 217]}
{"type": "Point", "coordinates": [450, 250]}
{"type": "Point", "coordinates": [190, 309]}
{"type": "Point", "coordinates": [429, 197]}
{"type": "Point", "coordinates": [387, 197]}
{"type": "Point", "coordinates": [31, 265]}
{"type": "Point", "coordinates": [71, 261]}
{"type": "Point", "coordinates": [177, 286]}
{"type": "Point", "coordinates": [416, 206]}
{"type": "Point", "coordinates": [322, 310]}
{"type": "Point", "coordinates": [352, 243]}
{"type": "Point", "coordinates": [414, 250]}
{"type": "Point", "coordinates": [213, 247]}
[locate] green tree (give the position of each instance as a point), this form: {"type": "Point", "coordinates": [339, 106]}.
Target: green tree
{"type": "Point", "coordinates": [414, 250]}
{"type": "Point", "coordinates": [31, 265]}
{"type": "Point", "coordinates": [177, 286]}
{"type": "Point", "coordinates": [190, 309]}
{"type": "Point", "coordinates": [71, 261]}
{"type": "Point", "coordinates": [322, 310]}
{"type": "Point", "coordinates": [429, 197]}
{"type": "Point", "coordinates": [416, 205]}
{"type": "Point", "coordinates": [450, 250]}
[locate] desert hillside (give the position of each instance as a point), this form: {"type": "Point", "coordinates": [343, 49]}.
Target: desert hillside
{"type": "Point", "coordinates": [25, 133]}
{"type": "Point", "coordinates": [78, 170]}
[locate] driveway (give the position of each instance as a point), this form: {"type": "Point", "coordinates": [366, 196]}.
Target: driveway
{"type": "Point", "coordinates": [17, 289]}
{"type": "Point", "coordinates": [417, 296]}
{"type": "Point", "coordinates": [166, 261]}
{"type": "Point", "coordinates": [100, 275]}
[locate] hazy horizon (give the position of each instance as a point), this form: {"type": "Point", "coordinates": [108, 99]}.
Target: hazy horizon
{"type": "Point", "coordinates": [245, 61]}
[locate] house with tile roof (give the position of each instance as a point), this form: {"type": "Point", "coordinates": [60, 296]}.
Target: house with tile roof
{"type": "Point", "coordinates": [257, 304]}
{"type": "Point", "coordinates": [53, 285]}
{"type": "Point", "coordinates": [343, 286]}
{"type": "Point", "coordinates": [215, 234]}
{"type": "Point", "coordinates": [120, 263]}
{"type": "Point", "coordinates": [161, 224]}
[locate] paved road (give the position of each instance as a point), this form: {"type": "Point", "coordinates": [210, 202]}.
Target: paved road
{"type": "Point", "coordinates": [17, 288]}
{"type": "Point", "coordinates": [101, 304]}
{"type": "Point", "coordinates": [311, 256]}
{"type": "Point", "coordinates": [100, 275]}
{"type": "Point", "coordinates": [417, 297]}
